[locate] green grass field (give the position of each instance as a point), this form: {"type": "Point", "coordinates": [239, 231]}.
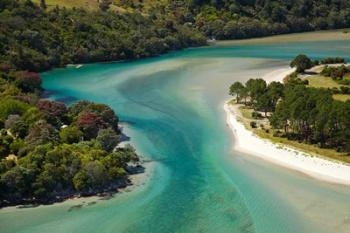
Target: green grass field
{"type": "Point", "coordinates": [322, 82]}
{"type": "Point", "coordinates": [319, 81]}
{"type": "Point", "coordinates": [88, 4]}
{"type": "Point", "coordinates": [341, 97]}
{"type": "Point", "coordinates": [93, 4]}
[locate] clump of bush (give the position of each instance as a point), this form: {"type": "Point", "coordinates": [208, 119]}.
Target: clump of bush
{"type": "Point", "coordinates": [336, 73]}
{"type": "Point", "coordinates": [345, 90]}
{"type": "Point", "coordinates": [333, 60]}
{"type": "Point", "coordinates": [256, 115]}
{"type": "Point", "coordinates": [253, 124]}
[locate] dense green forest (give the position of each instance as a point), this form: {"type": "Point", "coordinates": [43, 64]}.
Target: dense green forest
{"type": "Point", "coordinates": [36, 37]}
{"type": "Point", "coordinates": [236, 19]}
{"type": "Point", "coordinates": [299, 112]}
{"type": "Point", "coordinates": [232, 19]}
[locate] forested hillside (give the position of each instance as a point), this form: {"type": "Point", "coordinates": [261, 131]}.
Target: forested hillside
{"type": "Point", "coordinates": [36, 39]}
{"type": "Point", "coordinates": [49, 33]}
{"type": "Point", "coordinates": [231, 19]}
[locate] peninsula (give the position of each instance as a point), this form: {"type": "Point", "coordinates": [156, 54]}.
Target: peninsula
{"type": "Point", "coordinates": [252, 119]}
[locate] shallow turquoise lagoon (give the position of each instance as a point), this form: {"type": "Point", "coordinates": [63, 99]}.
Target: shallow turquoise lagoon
{"type": "Point", "coordinates": [171, 106]}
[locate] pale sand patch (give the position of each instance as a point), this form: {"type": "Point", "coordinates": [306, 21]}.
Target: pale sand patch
{"type": "Point", "coordinates": [278, 75]}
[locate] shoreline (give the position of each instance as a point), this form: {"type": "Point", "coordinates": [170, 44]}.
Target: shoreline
{"type": "Point", "coordinates": [278, 75]}
{"type": "Point", "coordinates": [284, 155]}
{"type": "Point", "coordinates": [317, 167]}
{"type": "Point", "coordinates": [318, 35]}
{"type": "Point", "coordinates": [133, 181]}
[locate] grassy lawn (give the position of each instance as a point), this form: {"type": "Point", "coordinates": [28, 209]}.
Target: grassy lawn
{"type": "Point", "coordinates": [341, 97]}
{"type": "Point", "coordinates": [89, 4]}
{"type": "Point", "coordinates": [319, 81]}
{"type": "Point", "coordinates": [93, 4]}
{"type": "Point", "coordinates": [307, 148]}
{"type": "Point", "coordinates": [322, 82]}
{"type": "Point", "coordinates": [246, 112]}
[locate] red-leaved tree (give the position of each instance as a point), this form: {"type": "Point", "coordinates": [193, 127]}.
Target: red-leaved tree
{"type": "Point", "coordinates": [28, 81]}
{"type": "Point", "coordinates": [54, 112]}
{"type": "Point", "coordinates": [90, 123]}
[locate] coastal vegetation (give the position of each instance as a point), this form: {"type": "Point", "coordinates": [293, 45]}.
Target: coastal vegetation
{"type": "Point", "coordinates": [50, 151]}
{"type": "Point", "coordinates": [299, 112]}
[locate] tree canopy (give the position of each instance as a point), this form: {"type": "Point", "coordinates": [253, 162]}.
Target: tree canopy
{"type": "Point", "coordinates": [35, 38]}
{"type": "Point", "coordinates": [301, 63]}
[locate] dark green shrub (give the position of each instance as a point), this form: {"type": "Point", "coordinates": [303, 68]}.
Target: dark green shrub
{"type": "Point", "coordinates": [253, 124]}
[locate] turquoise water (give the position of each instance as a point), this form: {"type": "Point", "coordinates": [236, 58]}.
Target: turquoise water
{"type": "Point", "coordinates": [171, 106]}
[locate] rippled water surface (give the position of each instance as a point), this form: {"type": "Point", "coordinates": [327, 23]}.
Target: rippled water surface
{"type": "Point", "coordinates": [171, 106]}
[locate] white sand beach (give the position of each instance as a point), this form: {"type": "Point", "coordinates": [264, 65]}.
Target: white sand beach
{"type": "Point", "coordinates": [246, 141]}
{"type": "Point", "coordinates": [278, 75]}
